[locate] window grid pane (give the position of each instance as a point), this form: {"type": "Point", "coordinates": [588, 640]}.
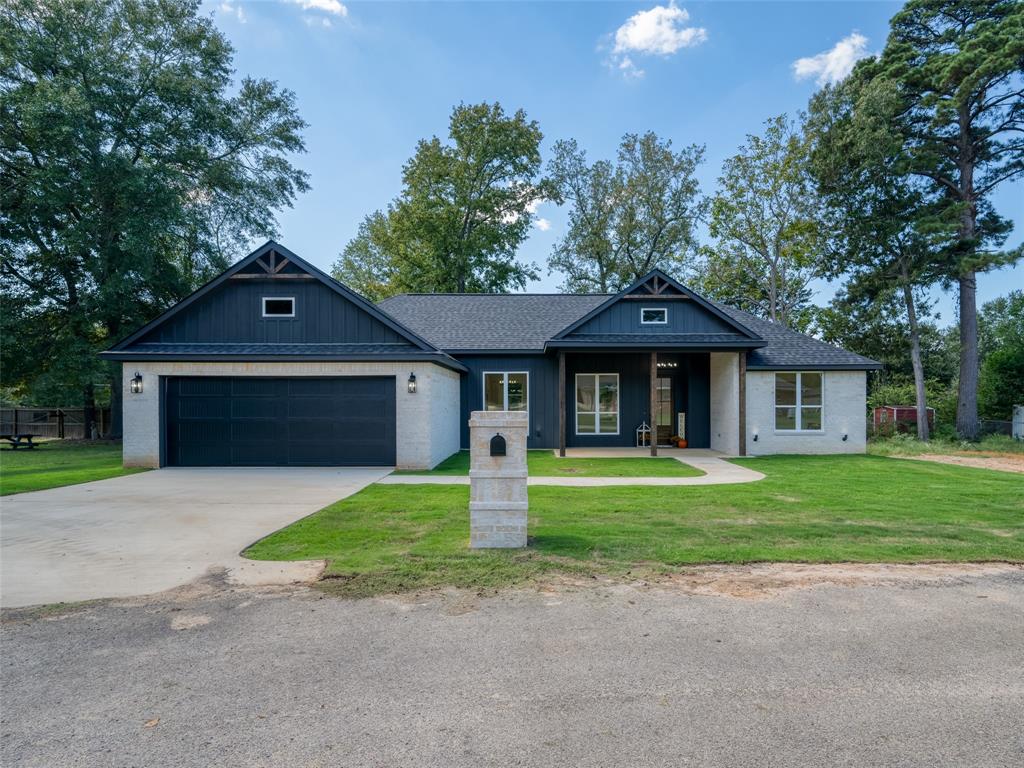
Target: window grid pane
{"type": "Point", "coordinates": [517, 391]}
{"type": "Point", "coordinates": [810, 417]}
{"type": "Point", "coordinates": [785, 389]}
{"type": "Point", "coordinates": [597, 403]}
{"type": "Point", "coordinates": [494, 391]}
{"type": "Point", "coordinates": [810, 389]}
{"type": "Point", "coordinates": [798, 401]}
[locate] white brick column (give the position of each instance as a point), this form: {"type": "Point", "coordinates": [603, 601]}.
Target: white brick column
{"type": "Point", "coordinates": [497, 497]}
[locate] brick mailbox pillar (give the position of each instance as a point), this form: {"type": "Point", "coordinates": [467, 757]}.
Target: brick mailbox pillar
{"type": "Point", "coordinates": [497, 479]}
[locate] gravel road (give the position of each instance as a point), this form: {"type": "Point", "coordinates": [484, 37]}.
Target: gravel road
{"type": "Point", "coordinates": [901, 672]}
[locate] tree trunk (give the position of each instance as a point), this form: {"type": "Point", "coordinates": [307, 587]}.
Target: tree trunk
{"type": "Point", "coordinates": [967, 393]}
{"type": "Point", "coordinates": [915, 360]}
{"type": "Point", "coordinates": [88, 411]}
{"type": "Point", "coordinates": [116, 418]}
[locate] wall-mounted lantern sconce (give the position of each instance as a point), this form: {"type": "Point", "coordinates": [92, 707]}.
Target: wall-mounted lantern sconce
{"type": "Point", "coordinates": [136, 384]}
{"type": "Point", "coordinates": [845, 436]}
{"type": "Point", "coordinates": [412, 383]}
{"type": "Point", "coordinates": [755, 435]}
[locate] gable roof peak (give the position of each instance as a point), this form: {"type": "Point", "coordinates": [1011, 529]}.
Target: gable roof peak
{"type": "Point", "coordinates": [360, 301]}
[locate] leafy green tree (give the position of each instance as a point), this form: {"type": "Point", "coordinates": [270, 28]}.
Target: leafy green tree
{"type": "Point", "coordinates": [764, 218]}
{"type": "Point", "coordinates": [131, 165]}
{"type": "Point", "coordinates": [465, 209]}
{"type": "Point", "coordinates": [956, 67]}
{"type": "Point", "coordinates": [882, 227]}
{"type": "Point", "coordinates": [1002, 383]}
{"type": "Point", "coordinates": [1001, 323]}
{"type": "Point", "coordinates": [627, 217]}
{"type": "Point", "coordinates": [1001, 334]}
{"type": "Point", "coordinates": [366, 264]}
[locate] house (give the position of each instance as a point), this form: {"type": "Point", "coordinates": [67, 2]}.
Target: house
{"type": "Point", "coordinates": [275, 363]}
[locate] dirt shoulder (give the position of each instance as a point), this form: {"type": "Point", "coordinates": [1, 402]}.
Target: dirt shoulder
{"type": "Point", "coordinates": [1005, 462]}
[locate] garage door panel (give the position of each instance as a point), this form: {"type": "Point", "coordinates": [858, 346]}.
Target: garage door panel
{"type": "Point", "coordinates": [258, 408]}
{"type": "Point", "coordinates": [200, 386]}
{"type": "Point", "coordinates": [329, 421]}
{"type": "Point", "coordinates": [254, 387]}
{"type": "Point", "coordinates": [203, 432]}
{"type": "Point", "coordinates": [259, 454]}
{"type": "Point", "coordinates": [204, 408]}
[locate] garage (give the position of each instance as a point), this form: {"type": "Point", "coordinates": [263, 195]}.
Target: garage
{"type": "Point", "coordinates": [253, 421]}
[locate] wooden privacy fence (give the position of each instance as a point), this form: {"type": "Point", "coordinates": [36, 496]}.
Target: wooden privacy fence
{"type": "Point", "coordinates": [64, 423]}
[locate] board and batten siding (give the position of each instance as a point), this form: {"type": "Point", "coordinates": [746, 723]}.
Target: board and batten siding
{"type": "Point", "coordinates": [683, 317]}
{"type": "Point", "coordinates": [234, 314]}
{"type": "Point", "coordinates": [844, 402]}
{"type": "Point", "coordinates": [542, 393]}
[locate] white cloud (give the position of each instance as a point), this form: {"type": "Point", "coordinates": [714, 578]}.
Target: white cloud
{"type": "Point", "coordinates": [327, 6]}
{"type": "Point", "coordinates": [317, 21]}
{"type": "Point", "coordinates": [233, 10]}
{"type": "Point", "coordinates": [542, 224]}
{"type": "Point", "coordinates": [660, 31]}
{"type": "Point", "coordinates": [833, 65]}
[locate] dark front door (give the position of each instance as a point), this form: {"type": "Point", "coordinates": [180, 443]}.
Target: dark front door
{"type": "Point", "coordinates": [250, 421]}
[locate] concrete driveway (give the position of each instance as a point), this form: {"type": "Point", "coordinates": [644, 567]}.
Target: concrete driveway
{"type": "Point", "coordinates": [157, 530]}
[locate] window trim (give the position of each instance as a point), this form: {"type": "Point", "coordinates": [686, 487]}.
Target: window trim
{"type": "Point", "coordinates": [504, 388]}
{"type": "Point", "coordinates": [798, 406]}
{"type": "Point", "coordinates": [597, 402]}
{"type": "Point", "coordinates": [265, 299]}
{"type": "Point", "coordinates": [663, 310]}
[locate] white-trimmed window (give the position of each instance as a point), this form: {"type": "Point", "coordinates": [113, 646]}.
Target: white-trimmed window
{"type": "Point", "coordinates": [653, 315]}
{"type": "Point", "coordinates": [798, 401]}
{"type": "Point", "coordinates": [279, 306]}
{"type": "Point", "coordinates": [506, 391]}
{"type": "Point", "coordinates": [597, 403]}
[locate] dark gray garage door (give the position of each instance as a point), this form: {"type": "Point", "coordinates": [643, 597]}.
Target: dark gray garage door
{"type": "Point", "coordinates": [242, 421]}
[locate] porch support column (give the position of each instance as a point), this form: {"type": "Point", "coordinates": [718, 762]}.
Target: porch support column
{"type": "Point", "coordinates": [654, 403]}
{"type": "Point", "coordinates": [561, 403]}
{"type": "Point", "coordinates": [743, 403]}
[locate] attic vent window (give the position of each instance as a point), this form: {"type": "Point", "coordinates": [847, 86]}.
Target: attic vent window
{"type": "Point", "coordinates": [654, 316]}
{"type": "Point", "coordinates": [279, 306]}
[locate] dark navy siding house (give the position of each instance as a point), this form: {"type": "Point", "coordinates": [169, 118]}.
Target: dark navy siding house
{"type": "Point", "coordinates": [276, 363]}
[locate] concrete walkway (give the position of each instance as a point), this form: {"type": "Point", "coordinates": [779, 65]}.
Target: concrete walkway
{"type": "Point", "coordinates": [716, 472]}
{"type": "Point", "coordinates": [146, 533]}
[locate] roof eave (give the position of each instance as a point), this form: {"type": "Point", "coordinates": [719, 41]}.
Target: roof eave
{"type": "Point", "coordinates": [173, 357]}
{"type": "Point", "coordinates": [720, 346]}
{"type": "Point", "coordinates": [812, 366]}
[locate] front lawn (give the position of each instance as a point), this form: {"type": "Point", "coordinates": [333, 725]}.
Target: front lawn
{"type": "Point", "coordinates": [547, 464]}
{"type": "Point", "coordinates": [59, 462]}
{"type": "Point", "coordinates": [391, 538]}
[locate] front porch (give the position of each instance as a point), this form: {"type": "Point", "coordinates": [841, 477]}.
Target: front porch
{"type": "Point", "coordinates": [606, 396]}
{"type": "Point", "coordinates": [680, 454]}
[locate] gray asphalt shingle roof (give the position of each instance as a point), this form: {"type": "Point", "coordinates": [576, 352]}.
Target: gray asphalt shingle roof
{"type": "Point", "coordinates": [787, 348]}
{"type": "Point", "coordinates": [525, 321]}
{"type": "Point", "coordinates": [489, 321]}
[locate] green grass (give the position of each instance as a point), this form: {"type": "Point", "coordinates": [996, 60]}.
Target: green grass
{"type": "Point", "coordinates": [546, 464]}
{"type": "Point", "coordinates": [56, 463]}
{"type": "Point", "coordinates": [391, 538]}
{"type": "Point", "coordinates": [907, 445]}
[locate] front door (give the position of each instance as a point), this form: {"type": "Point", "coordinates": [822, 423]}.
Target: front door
{"type": "Point", "coordinates": [665, 416]}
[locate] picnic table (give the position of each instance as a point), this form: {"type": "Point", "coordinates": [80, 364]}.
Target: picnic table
{"type": "Point", "coordinates": [19, 441]}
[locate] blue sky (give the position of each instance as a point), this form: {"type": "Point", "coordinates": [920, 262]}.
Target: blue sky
{"type": "Point", "coordinates": [373, 78]}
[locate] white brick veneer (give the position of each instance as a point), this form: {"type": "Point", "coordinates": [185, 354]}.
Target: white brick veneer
{"type": "Point", "coordinates": [427, 422]}
{"type": "Point", "coordinates": [845, 398]}
{"type": "Point", "coordinates": [725, 402]}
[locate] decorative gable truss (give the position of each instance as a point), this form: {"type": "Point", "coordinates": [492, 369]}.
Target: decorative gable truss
{"type": "Point", "coordinates": [657, 311]}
